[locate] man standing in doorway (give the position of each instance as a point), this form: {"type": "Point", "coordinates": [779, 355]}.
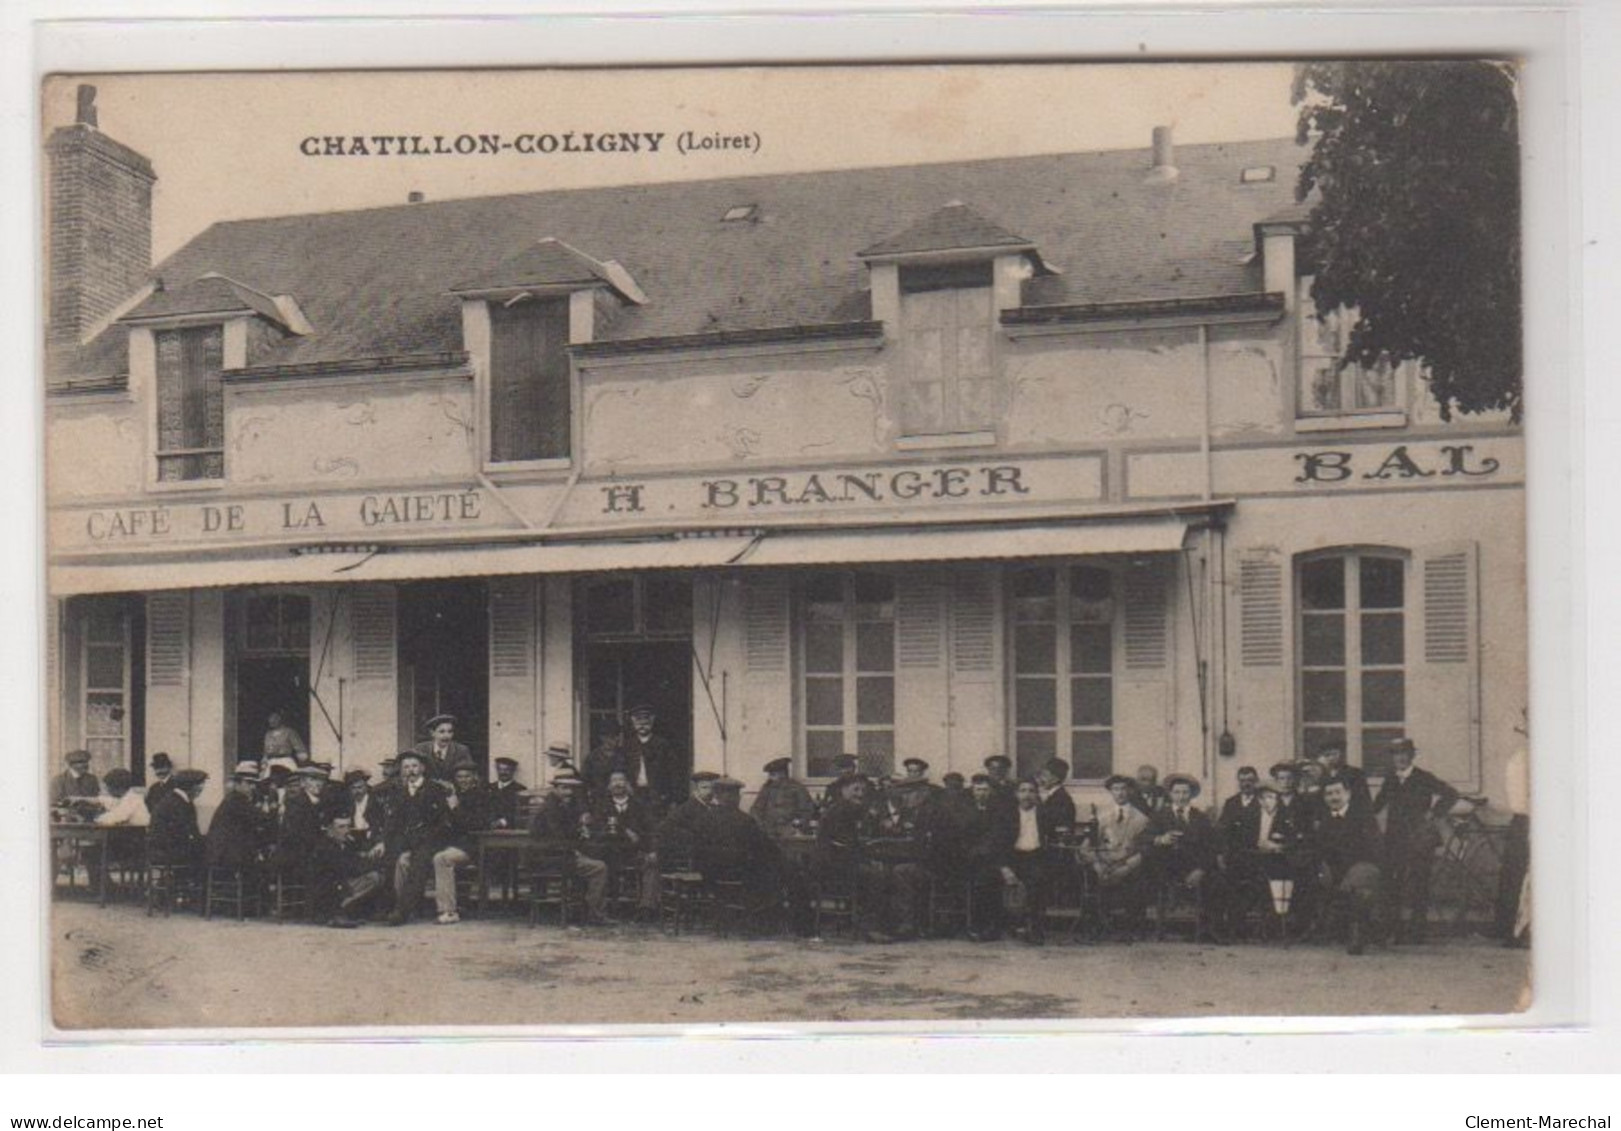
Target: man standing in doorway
{"type": "Point", "coordinates": [651, 760]}
{"type": "Point", "coordinates": [442, 751]}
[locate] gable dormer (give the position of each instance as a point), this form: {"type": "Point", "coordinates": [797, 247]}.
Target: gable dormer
{"type": "Point", "coordinates": [939, 287]}
{"type": "Point", "coordinates": [181, 342]}
{"type": "Point", "coordinates": [518, 321]}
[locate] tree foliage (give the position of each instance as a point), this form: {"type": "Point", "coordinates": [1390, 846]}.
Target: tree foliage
{"type": "Point", "coordinates": [1416, 221]}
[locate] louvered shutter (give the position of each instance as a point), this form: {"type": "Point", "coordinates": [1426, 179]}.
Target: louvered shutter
{"type": "Point", "coordinates": [973, 623]}
{"type": "Point", "coordinates": [371, 615]}
{"type": "Point", "coordinates": [919, 621]}
{"type": "Point", "coordinates": [1443, 698]}
{"type": "Point", "coordinates": [512, 618]}
{"type": "Point", "coordinates": [1144, 590]}
{"type": "Point", "coordinates": [765, 622]}
{"type": "Point", "coordinates": [1261, 605]}
{"type": "Point", "coordinates": [167, 622]}
{"type": "Point", "coordinates": [921, 688]}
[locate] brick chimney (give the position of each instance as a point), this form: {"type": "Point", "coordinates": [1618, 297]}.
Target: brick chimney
{"type": "Point", "coordinates": [100, 226]}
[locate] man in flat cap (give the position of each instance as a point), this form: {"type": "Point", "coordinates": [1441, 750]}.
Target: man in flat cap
{"type": "Point", "coordinates": [999, 771]}
{"type": "Point", "coordinates": [730, 846]}
{"type": "Point", "coordinates": [1414, 801]}
{"type": "Point", "coordinates": [76, 782]}
{"type": "Point", "coordinates": [676, 835]}
{"type": "Point", "coordinates": [173, 836]}
{"type": "Point", "coordinates": [442, 751]}
{"type": "Point", "coordinates": [782, 802]}
{"type": "Point", "coordinates": [1185, 850]}
{"type": "Point", "coordinates": [506, 795]}
{"type": "Point", "coordinates": [418, 826]}
{"type": "Point", "coordinates": [162, 780]}
{"type": "Point", "coordinates": [560, 830]}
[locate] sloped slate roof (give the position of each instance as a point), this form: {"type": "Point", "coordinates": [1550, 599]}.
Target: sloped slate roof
{"type": "Point", "coordinates": [547, 263]}
{"type": "Point", "coordinates": [209, 294]}
{"type": "Point", "coordinates": [377, 282]}
{"type": "Point", "coordinates": [954, 226]}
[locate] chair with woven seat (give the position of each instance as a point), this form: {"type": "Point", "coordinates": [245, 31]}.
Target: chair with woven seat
{"type": "Point", "coordinates": [170, 886]}
{"type": "Point", "coordinates": [232, 889]}
{"type": "Point", "coordinates": [289, 894]}
{"type": "Point", "coordinates": [835, 900]}
{"type": "Point", "coordinates": [552, 885]}
{"type": "Point", "coordinates": [683, 897]}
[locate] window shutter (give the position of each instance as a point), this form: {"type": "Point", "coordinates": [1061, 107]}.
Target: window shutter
{"type": "Point", "coordinates": [371, 618]}
{"type": "Point", "coordinates": [973, 622]}
{"type": "Point", "coordinates": [1260, 593]}
{"type": "Point", "coordinates": [765, 622]}
{"type": "Point", "coordinates": [167, 621]}
{"type": "Point", "coordinates": [512, 616]}
{"type": "Point", "coordinates": [920, 622]}
{"type": "Point", "coordinates": [1443, 696]}
{"type": "Point", "coordinates": [1145, 591]}
{"type": "Point", "coordinates": [53, 642]}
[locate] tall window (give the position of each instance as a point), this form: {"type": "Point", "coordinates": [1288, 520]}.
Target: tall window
{"type": "Point", "coordinates": [946, 320]}
{"type": "Point", "coordinates": [105, 661]}
{"type": "Point", "coordinates": [276, 623]}
{"type": "Point", "coordinates": [1353, 630]}
{"type": "Point", "coordinates": [530, 400]}
{"type": "Point", "coordinates": [847, 666]}
{"type": "Point", "coordinates": [191, 403]}
{"type": "Point", "coordinates": [1063, 668]}
{"type": "Point", "coordinates": [1326, 387]}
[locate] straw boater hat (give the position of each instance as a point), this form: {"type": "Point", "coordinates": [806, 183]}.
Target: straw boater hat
{"type": "Point", "coordinates": [560, 752]}
{"type": "Point", "coordinates": [246, 768]}
{"type": "Point", "coordinates": [1192, 782]}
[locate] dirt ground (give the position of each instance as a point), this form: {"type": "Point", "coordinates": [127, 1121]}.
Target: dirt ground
{"type": "Point", "coordinates": [115, 968]}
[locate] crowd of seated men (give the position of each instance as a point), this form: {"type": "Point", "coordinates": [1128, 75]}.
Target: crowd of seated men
{"type": "Point", "coordinates": [1307, 846]}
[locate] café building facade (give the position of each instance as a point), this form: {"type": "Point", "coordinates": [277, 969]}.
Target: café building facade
{"type": "Point", "coordinates": [1045, 455]}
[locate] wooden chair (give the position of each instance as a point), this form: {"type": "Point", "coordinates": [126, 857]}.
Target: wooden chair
{"type": "Point", "coordinates": [835, 900]}
{"type": "Point", "coordinates": [553, 886]}
{"type": "Point", "coordinates": [289, 894]}
{"type": "Point", "coordinates": [170, 886]}
{"type": "Point", "coordinates": [683, 899]}
{"type": "Point", "coordinates": [234, 890]}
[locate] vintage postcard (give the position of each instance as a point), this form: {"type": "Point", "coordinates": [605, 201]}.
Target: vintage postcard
{"type": "Point", "coordinates": [768, 544]}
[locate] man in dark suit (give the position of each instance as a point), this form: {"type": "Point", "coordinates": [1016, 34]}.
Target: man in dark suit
{"type": "Point", "coordinates": [676, 834]}
{"type": "Point", "coordinates": [561, 830]}
{"type": "Point", "coordinates": [75, 782]}
{"type": "Point", "coordinates": [239, 830]}
{"type": "Point", "coordinates": [626, 825]}
{"type": "Point", "coordinates": [1057, 806]}
{"type": "Point", "coordinates": [470, 814]}
{"type": "Point", "coordinates": [845, 770]}
{"type": "Point", "coordinates": [999, 770]}
{"type": "Point", "coordinates": [442, 751]}
{"type": "Point", "coordinates": [1147, 795]}
{"type": "Point", "coordinates": [652, 760]}
{"type": "Point", "coordinates": [173, 836]}
{"type": "Point", "coordinates": [988, 834]}
{"type": "Point", "coordinates": [841, 861]}
{"type": "Point", "coordinates": [1346, 842]}
{"type": "Point", "coordinates": [506, 795]}
{"type": "Point", "coordinates": [1030, 862]}
{"type": "Point", "coordinates": [308, 846]}
{"type": "Point", "coordinates": [418, 826]}
{"type": "Point", "coordinates": [1333, 762]}
{"type": "Point", "coordinates": [731, 846]}
{"type": "Point", "coordinates": [162, 780]}
{"type": "Point", "coordinates": [782, 802]}
{"type": "Point", "coordinates": [1413, 801]}
{"type": "Point", "coordinates": [1185, 846]}
{"type": "Point", "coordinates": [1240, 812]}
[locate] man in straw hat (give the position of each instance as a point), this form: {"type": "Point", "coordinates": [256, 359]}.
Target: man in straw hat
{"type": "Point", "coordinates": [1185, 850]}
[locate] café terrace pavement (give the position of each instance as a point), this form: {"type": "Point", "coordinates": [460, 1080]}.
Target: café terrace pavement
{"type": "Point", "coordinates": [118, 969]}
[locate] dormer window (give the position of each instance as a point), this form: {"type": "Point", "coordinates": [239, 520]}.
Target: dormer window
{"type": "Point", "coordinates": [529, 380]}
{"type": "Point", "coordinates": [940, 286]}
{"type": "Point", "coordinates": [190, 403]}
{"type": "Point", "coordinates": [948, 380]}
{"type": "Point", "coordinates": [1328, 387]}
{"type": "Point", "coordinates": [518, 321]}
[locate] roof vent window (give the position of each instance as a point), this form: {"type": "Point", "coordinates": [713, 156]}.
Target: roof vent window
{"type": "Point", "coordinates": [1258, 174]}
{"type": "Point", "coordinates": [740, 212]}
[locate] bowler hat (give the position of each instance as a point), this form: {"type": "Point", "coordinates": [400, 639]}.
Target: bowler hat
{"type": "Point", "coordinates": [161, 761]}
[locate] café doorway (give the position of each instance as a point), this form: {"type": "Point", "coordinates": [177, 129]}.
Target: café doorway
{"type": "Point", "coordinates": [633, 646]}
{"type": "Point", "coordinates": [444, 658]}
{"type": "Point", "coordinates": [272, 670]}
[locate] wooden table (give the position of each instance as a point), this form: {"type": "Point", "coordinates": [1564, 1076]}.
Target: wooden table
{"type": "Point", "coordinates": [80, 834]}
{"type": "Point", "coordinates": [501, 842]}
